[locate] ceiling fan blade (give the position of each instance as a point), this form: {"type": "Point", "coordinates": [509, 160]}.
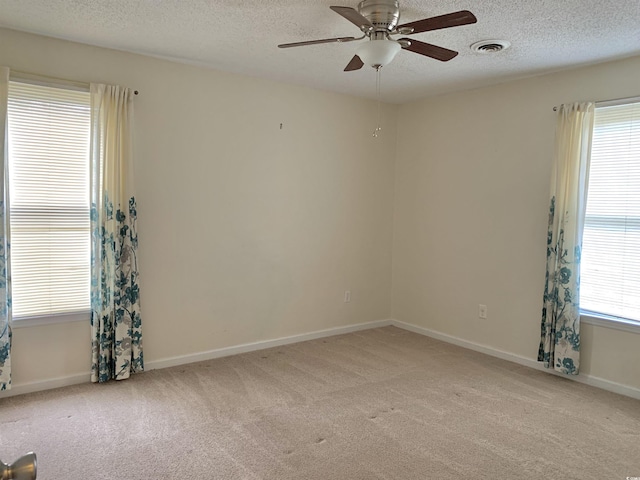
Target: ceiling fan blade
{"type": "Point", "coordinates": [428, 50]}
{"type": "Point", "coordinates": [316, 42]}
{"type": "Point", "coordinates": [455, 19]}
{"type": "Point", "coordinates": [354, 64]}
{"type": "Point", "coordinates": [354, 17]}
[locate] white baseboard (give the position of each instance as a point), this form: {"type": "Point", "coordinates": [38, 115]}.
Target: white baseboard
{"type": "Point", "coordinates": [254, 346]}
{"type": "Point", "coordinates": [528, 362]}
{"type": "Point", "coordinates": [36, 386]}
{"type": "Point", "coordinates": [40, 385]}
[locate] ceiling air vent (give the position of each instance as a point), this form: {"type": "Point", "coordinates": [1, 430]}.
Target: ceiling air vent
{"type": "Point", "coordinates": [490, 46]}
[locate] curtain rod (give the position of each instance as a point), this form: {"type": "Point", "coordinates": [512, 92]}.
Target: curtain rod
{"type": "Point", "coordinates": [46, 79]}
{"type": "Point", "coordinates": [608, 103]}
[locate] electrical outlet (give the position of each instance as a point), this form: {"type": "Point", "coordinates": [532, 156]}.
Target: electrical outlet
{"type": "Point", "coordinates": [482, 311]}
{"type": "Point", "coordinates": [347, 296]}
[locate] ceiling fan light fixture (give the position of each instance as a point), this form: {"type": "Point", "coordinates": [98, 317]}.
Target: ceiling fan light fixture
{"type": "Point", "coordinates": [378, 53]}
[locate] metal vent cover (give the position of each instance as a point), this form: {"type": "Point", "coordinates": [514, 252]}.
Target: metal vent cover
{"type": "Point", "coordinates": [490, 46]}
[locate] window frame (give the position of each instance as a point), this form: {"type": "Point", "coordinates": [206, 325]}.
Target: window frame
{"type": "Point", "coordinates": [607, 321]}
{"type": "Point", "coordinates": [598, 318]}
{"type": "Point", "coordinates": [52, 319]}
{"type": "Point", "coordinates": [35, 321]}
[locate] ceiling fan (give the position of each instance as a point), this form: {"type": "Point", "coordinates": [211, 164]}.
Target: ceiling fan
{"type": "Point", "coordinates": [378, 21]}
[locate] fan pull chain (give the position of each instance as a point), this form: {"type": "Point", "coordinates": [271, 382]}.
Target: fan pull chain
{"type": "Point", "coordinates": [378, 128]}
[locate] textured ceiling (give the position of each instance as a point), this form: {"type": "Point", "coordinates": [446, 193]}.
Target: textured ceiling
{"type": "Point", "coordinates": [241, 36]}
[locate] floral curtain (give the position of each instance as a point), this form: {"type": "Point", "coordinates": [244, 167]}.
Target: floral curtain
{"type": "Point", "coordinates": [116, 324]}
{"type": "Point", "coordinates": [560, 329]}
{"type": "Point", "coordinates": [5, 284]}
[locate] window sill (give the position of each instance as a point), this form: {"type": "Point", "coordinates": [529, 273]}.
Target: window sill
{"type": "Point", "coordinates": [600, 320]}
{"type": "Point", "coordinates": [24, 322]}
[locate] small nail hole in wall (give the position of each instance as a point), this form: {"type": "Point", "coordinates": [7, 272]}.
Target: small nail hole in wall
{"type": "Point", "coordinates": [280, 126]}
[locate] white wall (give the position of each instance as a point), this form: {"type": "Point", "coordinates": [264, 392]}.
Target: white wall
{"type": "Point", "coordinates": [247, 232]}
{"type": "Point", "coordinates": [472, 186]}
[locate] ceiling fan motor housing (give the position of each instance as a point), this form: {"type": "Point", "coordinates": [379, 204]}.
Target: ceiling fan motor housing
{"type": "Point", "coordinates": [383, 14]}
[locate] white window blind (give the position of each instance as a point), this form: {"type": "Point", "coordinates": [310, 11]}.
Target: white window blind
{"type": "Point", "coordinates": [610, 267]}
{"type": "Point", "coordinates": [49, 199]}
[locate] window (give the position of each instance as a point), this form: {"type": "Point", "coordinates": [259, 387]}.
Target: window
{"type": "Point", "coordinates": [49, 200]}
{"type": "Point", "coordinates": [610, 267]}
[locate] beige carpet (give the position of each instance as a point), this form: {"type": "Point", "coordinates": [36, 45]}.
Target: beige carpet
{"type": "Point", "coordinates": [378, 404]}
